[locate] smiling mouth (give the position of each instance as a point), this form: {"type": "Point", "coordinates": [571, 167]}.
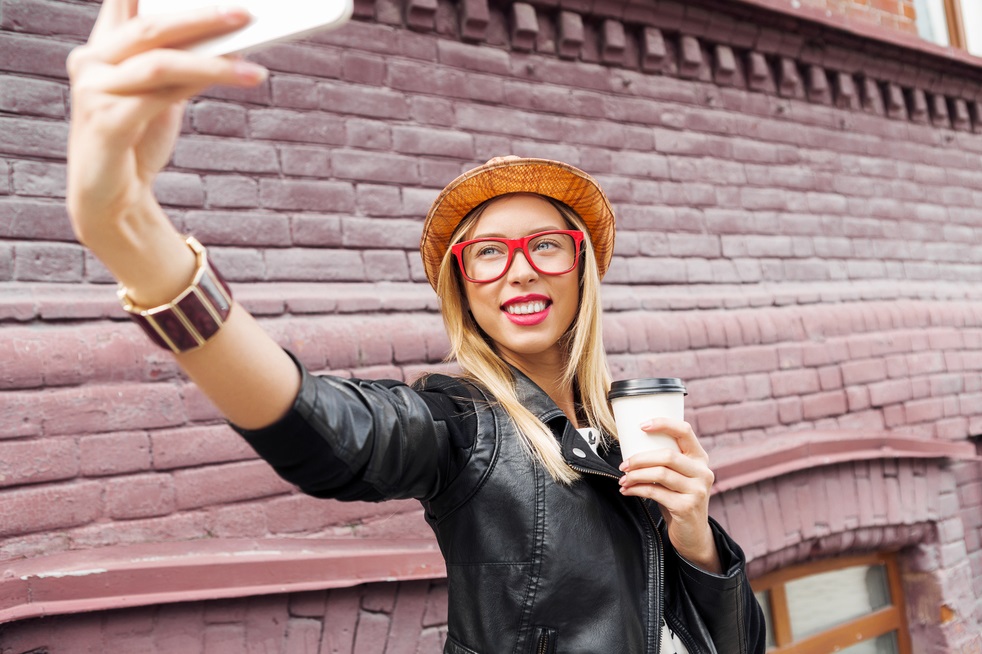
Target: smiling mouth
{"type": "Point", "coordinates": [526, 308]}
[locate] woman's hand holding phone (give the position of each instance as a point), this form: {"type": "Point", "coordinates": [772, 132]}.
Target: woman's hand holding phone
{"type": "Point", "coordinates": [129, 85]}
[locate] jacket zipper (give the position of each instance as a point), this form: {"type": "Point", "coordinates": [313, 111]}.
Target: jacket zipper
{"type": "Point", "coordinates": [656, 636]}
{"type": "Point", "coordinates": [659, 617]}
{"type": "Point", "coordinates": [545, 645]}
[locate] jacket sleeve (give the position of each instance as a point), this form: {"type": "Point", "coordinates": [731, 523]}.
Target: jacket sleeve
{"type": "Point", "coordinates": [723, 605]}
{"type": "Point", "coordinates": [354, 439]}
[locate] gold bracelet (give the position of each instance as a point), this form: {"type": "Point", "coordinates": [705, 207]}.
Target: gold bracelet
{"type": "Point", "coordinates": [194, 316]}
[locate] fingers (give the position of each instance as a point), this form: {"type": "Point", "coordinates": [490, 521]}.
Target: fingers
{"type": "Point", "coordinates": [680, 430]}
{"type": "Point", "coordinates": [120, 33]}
{"type": "Point", "coordinates": [678, 474]}
{"type": "Point", "coordinates": [679, 496]}
{"type": "Point", "coordinates": [112, 14]}
{"type": "Point", "coordinates": [165, 69]}
{"type": "Point", "coordinates": [678, 480]}
{"type": "Point", "coordinates": [142, 33]}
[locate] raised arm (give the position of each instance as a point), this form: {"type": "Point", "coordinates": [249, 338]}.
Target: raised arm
{"type": "Point", "coordinates": [129, 88]}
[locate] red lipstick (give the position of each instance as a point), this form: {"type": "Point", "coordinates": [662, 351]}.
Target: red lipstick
{"type": "Point", "coordinates": [527, 319]}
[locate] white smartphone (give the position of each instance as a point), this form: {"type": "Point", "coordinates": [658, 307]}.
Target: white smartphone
{"type": "Point", "coordinates": [272, 21]}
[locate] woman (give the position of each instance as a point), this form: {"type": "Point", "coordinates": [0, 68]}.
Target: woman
{"type": "Point", "coordinates": [553, 544]}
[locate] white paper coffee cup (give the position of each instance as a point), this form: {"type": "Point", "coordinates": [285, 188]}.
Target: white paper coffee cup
{"type": "Point", "coordinates": [635, 401]}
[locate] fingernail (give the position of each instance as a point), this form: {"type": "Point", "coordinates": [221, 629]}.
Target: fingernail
{"type": "Point", "coordinates": [249, 71]}
{"type": "Point", "coordinates": [647, 424]}
{"type": "Point", "coordinates": [234, 15]}
{"type": "Point", "coordinates": [623, 466]}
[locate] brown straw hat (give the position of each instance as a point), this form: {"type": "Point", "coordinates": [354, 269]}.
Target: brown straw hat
{"type": "Point", "coordinates": [503, 175]}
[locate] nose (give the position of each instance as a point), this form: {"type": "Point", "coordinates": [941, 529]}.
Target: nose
{"type": "Point", "coordinates": [521, 271]}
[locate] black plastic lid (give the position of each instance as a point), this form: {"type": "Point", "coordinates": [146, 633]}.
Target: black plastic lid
{"type": "Point", "coordinates": [646, 386]}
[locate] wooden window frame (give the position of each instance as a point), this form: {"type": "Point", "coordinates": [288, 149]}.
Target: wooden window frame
{"type": "Point", "coordinates": [956, 24]}
{"type": "Point", "coordinates": [866, 627]}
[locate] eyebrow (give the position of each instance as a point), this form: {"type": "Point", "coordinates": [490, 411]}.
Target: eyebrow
{"type": "Point", "coordinates": [535, 230]}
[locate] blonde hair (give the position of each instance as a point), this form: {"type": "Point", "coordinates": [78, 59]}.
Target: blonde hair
{"type": "Point", "coordinates": [586, 363]}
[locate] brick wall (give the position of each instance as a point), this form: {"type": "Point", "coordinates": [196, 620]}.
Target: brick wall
{"type": "Point", "coordinates": [396, 618]}
{"type": "Point", "coordinates": [798, 212]}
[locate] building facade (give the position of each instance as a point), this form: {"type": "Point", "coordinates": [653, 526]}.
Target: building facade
{"type": "Point", "coordinates": [798, 190]}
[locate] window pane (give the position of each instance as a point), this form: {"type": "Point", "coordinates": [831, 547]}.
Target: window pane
{"type": "Point", "coordinates": [764, 598]}
{"type": "Point", "coordinates": [822, 601]}
{"type": "Point", "coordinates": [885, 644]}
{"type": "Point", "coordinates": [972, 19]}
{"type": "Point", "coordinates": [932, 22]}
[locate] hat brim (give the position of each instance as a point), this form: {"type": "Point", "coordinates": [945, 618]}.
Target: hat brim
{"type": "Point", "coordinates": [502, 176]}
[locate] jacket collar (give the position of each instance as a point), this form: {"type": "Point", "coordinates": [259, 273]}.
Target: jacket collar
{"type": "Point", "coordinates": [574, 448]}
{"type": "Point", "coordinates": [535, 399]}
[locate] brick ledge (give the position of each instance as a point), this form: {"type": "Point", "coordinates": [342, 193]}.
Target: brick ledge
{"type": "Point", "coordinates": [159, 573]}
{"type": "Point", "coordinates": [740, 466]}
{"type": "Point", "coordinates": [60, 302]}
{"type": "Point", "coordinates": [866, 30]}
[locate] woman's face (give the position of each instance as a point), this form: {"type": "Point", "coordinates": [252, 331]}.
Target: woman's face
{"type": "Point", "coordinates": [524, 312]}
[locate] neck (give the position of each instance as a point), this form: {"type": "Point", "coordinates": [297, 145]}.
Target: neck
{"type": "Point", "coordinates": [547, 373]}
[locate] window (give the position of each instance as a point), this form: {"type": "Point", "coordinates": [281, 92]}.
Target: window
{"type": "Point", "coordinates": [956, 23]}
{"type": "Point", "coordinates": [850, 605]}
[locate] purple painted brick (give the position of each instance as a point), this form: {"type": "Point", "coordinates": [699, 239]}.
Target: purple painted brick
{"type": "Point", "coordinates": [369, 232]}
{"type": "Point", "coordinates": [306, 195]}
{"type": "Point", "coordinates": [179, 189]}
{"type": "Point", "coordinates": [432, 111]}
{"type": "Point", "coordinates": [26, 96]}
{"type": "Point", "coordinates": [368, 134]}
{"type": "Point", "coordinates": [363, 101]}
{"type": "Point", "coordinates": [255, 229]}
{"type": "Point", "coordinates": [299, 57]}
{"type": "Point", "coordinates": [315, 265]}
{"type": "Point", "coordinates": [38, 179]}
{"type": "Point", "coordinates": [571, 34]}
{"type": "Point", "coordinates": [316, 230]}
{"type": "Point", "coordinates": [303, 126]}
{"type": "Point", "coordinates": [218, 118]}
{"type": "Point", "coordinates": [229, 191]}
{"type": "Point", "coordinates": [385, 265]}
{"type": "Point", "coordinates": [131, 453]}
{"type": "Point", "coordinates": [362, 68]}
{"type": "Point", "coordinates": [33, 138]}
{"type": "Point", "coordinates": [305, 161]}
{"type": "Point", "coordinates": [378, 200]}
{"type": "Point", "coordinates": [421, 140]}
{"type": "Point", "coordinates": [227, 155]}
{"type": "Point", "coordinates": [32, 55]}
{"type": "Point", "coordinates": [375, 167]}
{"type": "Point", "coordinates": [48, 262]}
{"type": "Point", "coordinates": [296, 93]}
{"type": "Point", "coordinates": [140, 496]}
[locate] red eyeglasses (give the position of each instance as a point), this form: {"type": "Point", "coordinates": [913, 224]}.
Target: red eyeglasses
{"type": "Point", "coordinates": [484, 260]}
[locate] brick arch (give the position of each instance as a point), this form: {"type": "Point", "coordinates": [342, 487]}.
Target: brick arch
{"type": "Point", "coordinates": [815, 495]}
{"type": "Point", "coordinates": [862, 539]}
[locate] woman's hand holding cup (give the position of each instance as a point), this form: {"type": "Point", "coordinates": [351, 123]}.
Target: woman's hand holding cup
{"type": "Point", "coordinates": [664, 462]}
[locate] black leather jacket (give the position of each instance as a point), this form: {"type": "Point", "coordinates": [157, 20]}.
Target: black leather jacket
{"type": "Point", "coordinates": [533, 566]}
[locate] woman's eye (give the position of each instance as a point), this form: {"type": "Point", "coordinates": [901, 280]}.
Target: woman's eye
{"type": "Point", "coordinates": [545, 244]}
{"type": "Point", "coordinates": [489, 250]}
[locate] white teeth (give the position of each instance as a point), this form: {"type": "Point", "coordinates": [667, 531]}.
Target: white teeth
{"type": "Point", "coordinates": [526, 307]}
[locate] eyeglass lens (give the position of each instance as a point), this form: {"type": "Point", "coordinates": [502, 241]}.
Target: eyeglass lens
{"type": "Point", "coordinates": [552, 254]}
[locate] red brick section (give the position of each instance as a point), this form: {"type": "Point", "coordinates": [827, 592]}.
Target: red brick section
{"type": "Point", "coordinates": [886, 14]}
{"type": "Point", "coordinates": [798, 203]}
